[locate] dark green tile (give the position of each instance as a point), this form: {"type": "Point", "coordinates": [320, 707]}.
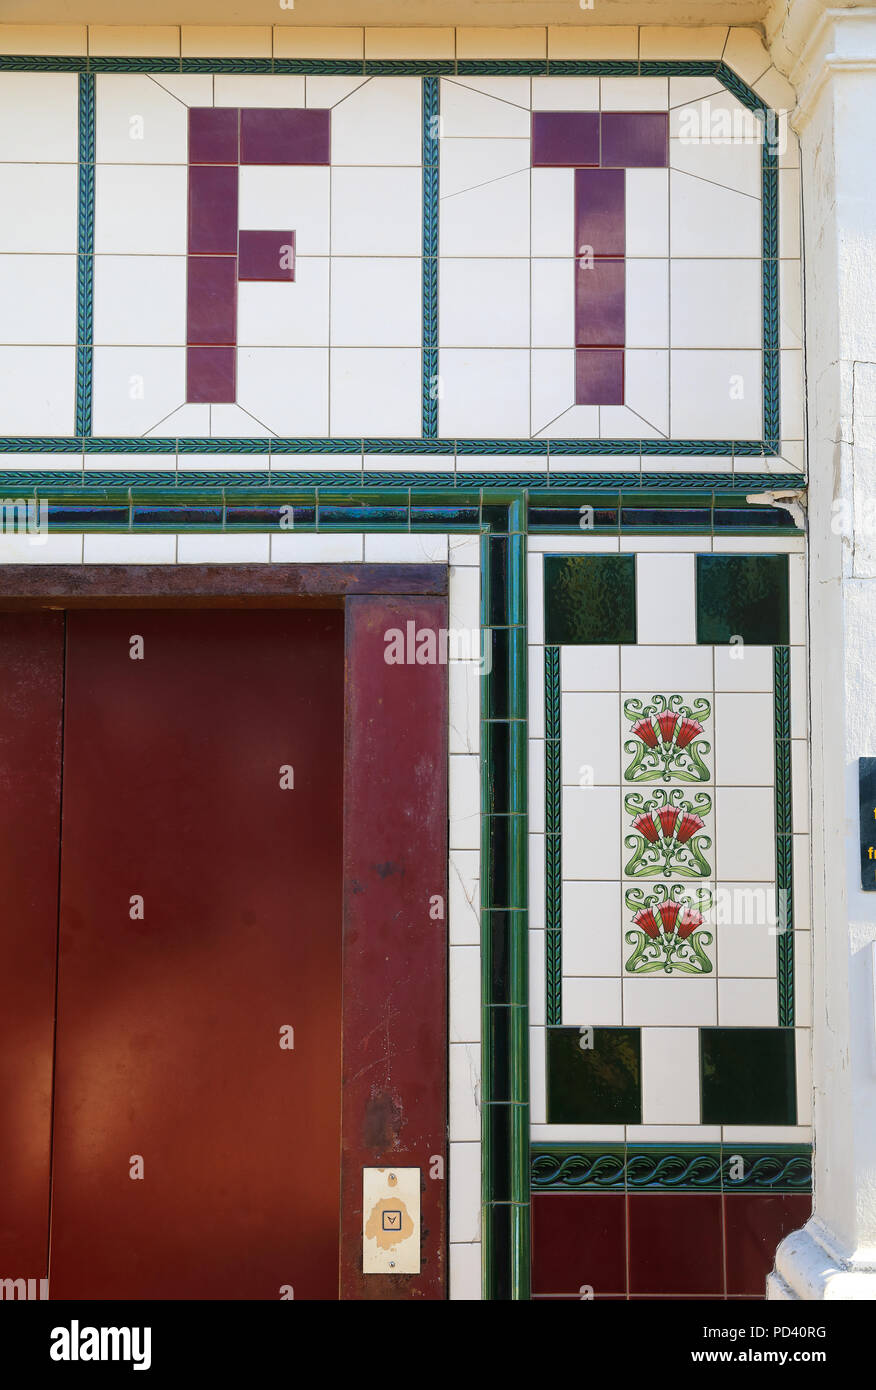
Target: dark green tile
{"type": "Point", "coordinates": [598, 1085]}
{"type": "Point", "coordinates": [742, 596]}
{"type": "Point", "coordinates": [748, 1076]}
{"type": "Point", "coordinates": [590, 599]}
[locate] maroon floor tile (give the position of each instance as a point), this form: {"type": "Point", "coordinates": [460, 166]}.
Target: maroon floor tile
{"type": "Point", "coordinates": [579, 1240]}
{"type": "Point", "coordinates": [600, 304]}
{"type": "Point", "coordinates": [600, 211]}
{"type": "Point", "coordinates": [211, 299]}
{"type": "Point", "coordinates": [599, 376]}
{"type": "Point", "coordinates": [210, 374]}
{"type": "Point", "coordinates": [213, 210]}
{"type": "Point", "coordinates": [269, 135]}
{"type": "Point", "coordinates": [635, 139]}
{"type": "Point", "coordinates": [267, 256]}
{"type": "Point", "coordinates": [756, 1222]}
{"type": "Point", "coordinates": [676, 1244]}
{"type": "Point", "coordinates": [213, 134]}
{"type": "Point", "coordinates": [565, 138]}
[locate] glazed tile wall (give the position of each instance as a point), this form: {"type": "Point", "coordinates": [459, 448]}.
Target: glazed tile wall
{"type": "Point", "coordinates": [668, 812]}
{"type": "Point", "coordinates": [516, 265]}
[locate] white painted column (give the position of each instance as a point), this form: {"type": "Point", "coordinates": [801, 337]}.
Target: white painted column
{"type": "Point", "coordinates": [830, 57]}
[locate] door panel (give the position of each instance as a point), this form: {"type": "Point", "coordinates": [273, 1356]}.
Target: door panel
{"type": "Point", "coordinates": [32, 663]}
{"type": "Point", "coordinates": [169, 1026]}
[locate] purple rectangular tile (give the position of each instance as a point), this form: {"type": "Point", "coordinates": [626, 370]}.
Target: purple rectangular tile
{"type": "Point", "coordinates": [600, 212]}
{"type": "Point", "coordinates": [266, 256]}
{"type": "Point", "coordinates": [213, 134]}
{"type": "Point", "coordinates": [272, 136]}
{"type": "Point", "coordinates": [635, 139]}
{"type": "Point", "coordinates": [599, 376]}
{"type": "Point", "coordinates": [600, 303]}
{"type": "Point", "coordinates": [212, 300]}
{"type": "Point", "coordinates": [213, 210]}
{"type": "Point", "coordinates": [210, 373]}
{"type": "Point", "coordinates": [565, 138]}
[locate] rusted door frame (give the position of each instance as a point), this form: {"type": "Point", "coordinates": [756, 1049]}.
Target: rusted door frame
{"type": "Point", "coordinates": [394, 1101]}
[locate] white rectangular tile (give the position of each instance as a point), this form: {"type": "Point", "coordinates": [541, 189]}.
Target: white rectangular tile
{"type": "Point", "coordinates": [670, 1076]}
{"type": "Point", "coordinates": [665, 599]}
{"type": "Point", "coordinates": [666, 668]}
{"type": "Point", "coordinates": [591, 832]}
{"type": "Point", "coordinates": [670, 1003]}
{"type": "Point", "coordinates": [465, 994]}
{"type": "Point", "coordinates": [590, 667]}
{"type": "Point", "coordinates": [464, 1074]}
{"type": "Point", "coordinates": [592, 929]}
{"type": "Point", "coordinates": [747, 1004]}
{"type": "Point", "coordinates": [590, 727]}
{"type": "Point", "coordinates": [744, 739]}
{"type": "Point", "coordinates": [592, 1003]}
{"type": "Point", "coordinates": [465, 1193]}
{"type": "Point", "coordinates": [327, 547]}
{"type": "Point", "coordinates": [745, 833]}
{"type": "Point", "coordinates": [463, 900]}
{"type": "Point", "coordinates": [465, 801]}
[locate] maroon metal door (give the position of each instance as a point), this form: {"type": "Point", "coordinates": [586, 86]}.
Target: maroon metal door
{"type": "Point", "coordinates": [200, 917]}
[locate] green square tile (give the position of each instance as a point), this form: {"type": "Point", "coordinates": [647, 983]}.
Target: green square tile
{"type": "Point", "coordinates": [748, 1076]}
{"type": "Point", "coordinates": [742, 596]}
{"type": "Point", "coordinates": [589, 599]}
{"type": "Point", "coordinates": [594, 1085]}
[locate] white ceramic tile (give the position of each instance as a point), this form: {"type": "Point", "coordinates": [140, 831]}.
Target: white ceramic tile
{"type": "Point", "coordinates": [552, 387]}
{"type": "Point", "coordinates": [375, 302]}
{"type": "Point", "coordinates": [803, 1049]}
{"type": "Point", "coordinates": [138, 122]}
{"type": "Point", "coordinates": [464, 1206]}
{"type": "Point", "coordinates": [565, 94]}
{"type": "Point", "coordinates": [553, 305]}
{"type": "Point", "coordinates": [537, 1089]}
{"type": "Point", "coordinates": [482, 303]}
{"type": "Point", "coordinates": [747, 1004]}
{"type": "Point", "coordinates": [789, 212]}
{"type": "Point", "coordinates": [621, 422]}
{"type": "Point", "coordinates": [516, 90]}
{"type": "Point", "coordinates": [772, 1134]}
{"type": "Point", "coordinates": [466, 112]}
{"type": "Point", "coordinates": [379, 123]}
{"type": "Point", "coordinates": [647, 303]}
{"type": "Point", "coordinates": [647, 212]}
{"type": "Point", "coordinates": [464, 607]}
{"type": "Point", "coordinates": [800, 784]}
{"type": "Point", "coordinates": [686, 89]}
{"type": "Point", "coordinates": [646, 390]}
{"type": "Point", "coordinates": [792, 406]}
{"type": "Point", "coordinates": [238, 421]}
{"type": "Point", "coordinates": [716, 120]}
{"type": "Point", "coordinates": [67, 463]}
{"type": "Point", "coordinates": [38, 295]}
{"type": "Point", "coordinates": [535, 677]}
{"type": "Point", "coordinates": [665, 599]}
{"type": "Point", "coordinates": [465, 801]}
{"type": "Point", "coordinates": [491, 220]}
{"type": "Point", "coordinates": [285, 388]}
{"type": "Point", "coordinates": [802, 859]}
{"type": "Point", "coordinates": [744, 833]}
{"type": "Point", "coordinates": [464, 897]}
{"type": "Point", "coordinates": [670, 1076]}
{"type": "Point", "coordinates": [116, 549]}
{"type": "Point", "coordinates": [667, 1003]}
{"type": "Point", "coordinates": [465, 1272]}
{"type": "Point", "coordinates": [744, 739]}
{"type": "Point", "coordinates": [577, 1134]}
{"type": "Point", "coordinates": [717, 304]}
{"type": "Point", "coordinates": [295, 197]}
{"type": "Point", "coordinates": [334, 547]}
{"type": "Point", "coordinates": [468, 163]}
{"type": "Point", "coordinates": [44, 197]}
{"type": "Point", "coordinates": [733, 165]}
{"type": "Point", "coordinates": [40, 549]}
{"type": "Point", "coordinates": [742, 667]}
{"type": "Point", "coordinates": [591, 832]}
{"type": "Point", "coordinates": [536, 786]}
{"type": "Point", "coordinates": [592, 1003]}
{"type": "Point", "coordinates": [590, 667]}
{"type": "Point", "coordinates": [376, 212]}
{"type": "Point", "coordinates": [291, 314]}
{"type": "Point", "coordinates": [673, 1134]}
{"type": "Point", "coordinates": [141, 210]}
{"type": "Point", "coordinates": [575, 545]}
{"type": "Point", "coordinates": [323, 91]}
{"type": "Point", "coordinates": [553, 211]}
{"type": "Point", "coordinates": [592, 929]}
{"type": "Point", "coordinates": [258, 89]}
{"type": "Point", "coordinates": [198, 549]}
{"type": "Point", "coordinates": [666, 668]}
{"type": "Point", "coordinates": [464, 1075]}
{"type": "Point", "coordinates": [484, 393]}
{"type": "Point", "coordinates": [192, 89]}
{"type": "Point", "coordinates": [375, 391]}
{"type": "Point", "coordinates": [716, 394]}
{"type": "Point", "coordinates": [707, 220]}
{"type": "Point", "coordinates": [590, 724]}
{"type": "Point", "coordinates": [797, 599]}
{"type": "Point", "coordinates": [140, 299]}
{"type": "Point", "coordinates": [634, 93]}
{"type": "Point", "coordinates": [745, 929]}
{"type": "Point", "coordinates": [799, 710]}
{"type": "Point", "coordinates": [36, 390]}
{"type": "Point", "coordinates": [536, 883]}
{"type": "Point", "coordinates": [537, 975]}
{"type": "Point", "coordinates": [465, 994]}
{"type": "Point", "coordinates": [464, 551]}
{"type": "Point", "coordinates": [39, 117]}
